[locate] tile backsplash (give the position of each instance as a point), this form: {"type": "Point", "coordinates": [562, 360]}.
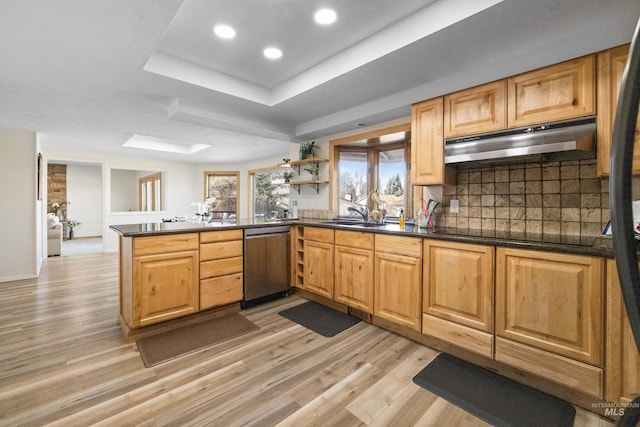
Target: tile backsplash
{"type": "Point", "coordinates": [548, 198]}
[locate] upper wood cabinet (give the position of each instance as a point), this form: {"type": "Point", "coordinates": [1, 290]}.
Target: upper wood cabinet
{"type": "Point", "coordinates": [458, 294]}
{"type": "Point", "coordinates": [318, 261]}
{"type": "Point", "coordinates": [353, 283]}
{"type": "Point", "coordinates": [476, 110]}
{"type": "Point", "coordinates": [549, 316]}
{"type": "Point", "coordinates": [611, 64]}
{"type": "Point", "coordinates": [398, 279]}
{"type": "Point", "coordinates": [622, 365]}
{"type": "Point", "coordinates": [427, 145]}
{"type": "Point", "coordinates": [558, 92]}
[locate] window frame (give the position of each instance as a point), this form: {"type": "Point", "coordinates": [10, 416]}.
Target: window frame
{"type": "Point", "coordinates": [235, 174]}
{"type": "Point", "coordinates": [252, 173]}
{"type": "Point", "coordinates": [156, 191]}
{"type": "Point", "coordinates": [373, 151]}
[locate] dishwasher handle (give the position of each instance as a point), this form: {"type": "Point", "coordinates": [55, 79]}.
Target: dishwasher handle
{"type": "Point", "coordinates": [250, 233]}
{"type": "Point", "coordinates": [262, 236]}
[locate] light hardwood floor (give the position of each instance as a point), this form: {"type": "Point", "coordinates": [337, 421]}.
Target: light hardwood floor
{"type": "Point", "coordinates": [63, 361]}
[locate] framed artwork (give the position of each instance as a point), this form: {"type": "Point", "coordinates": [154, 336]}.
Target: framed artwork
{"type": "Point", "coordinates": [39, 179]}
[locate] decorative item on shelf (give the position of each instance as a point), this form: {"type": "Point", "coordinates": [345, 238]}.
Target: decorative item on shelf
{"type": "Point", "coordinates": [72, 223]}
{"type": "Point", "coordinates": [307, 150]}
{"type": "Point", "coordinates": [287, 175]}
{"type": "Point", "coordinates": [314, 170]}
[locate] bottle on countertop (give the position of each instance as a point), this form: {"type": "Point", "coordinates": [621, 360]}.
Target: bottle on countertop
{"type": "Point", "coordinates": [401, 220]}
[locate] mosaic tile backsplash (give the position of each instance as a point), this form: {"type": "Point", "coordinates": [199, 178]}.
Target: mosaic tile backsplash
{"type": "Point", "coordinates": [545, 198]}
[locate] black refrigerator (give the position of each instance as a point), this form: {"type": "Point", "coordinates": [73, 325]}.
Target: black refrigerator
{"type": "Point", "coordinates": [625, 242]}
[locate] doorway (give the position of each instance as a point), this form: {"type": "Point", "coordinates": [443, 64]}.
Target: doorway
{"type": "Point", "coordinates": [76, 190]}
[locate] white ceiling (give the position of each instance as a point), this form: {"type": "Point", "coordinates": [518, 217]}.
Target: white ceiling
{"type": "Point", "coordinates": [89, 75]}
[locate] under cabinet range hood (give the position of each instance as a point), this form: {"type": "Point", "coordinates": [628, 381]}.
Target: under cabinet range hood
{"type": "Point", "coordinates": [567, 140]}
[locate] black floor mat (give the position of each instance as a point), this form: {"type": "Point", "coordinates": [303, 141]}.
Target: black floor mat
{"type": "Point", "coordinates": [491, 397]}
{"type": "Point", "coordinates": [320, 319]}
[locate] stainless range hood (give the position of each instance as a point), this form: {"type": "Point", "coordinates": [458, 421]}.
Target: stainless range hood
{"type": "Point", "coordinates": [567, 140]}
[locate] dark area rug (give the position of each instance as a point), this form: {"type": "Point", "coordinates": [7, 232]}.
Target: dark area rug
{"type": "Point", "coordinates": [491, 397]}
{"type": "Point", "coordinates": [178, 342]}
{"type": "Point", "coordinates": [320, 319]}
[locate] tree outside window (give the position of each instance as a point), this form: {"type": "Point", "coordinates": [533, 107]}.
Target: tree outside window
{"type": "Point", "coordinates": [223, 187]}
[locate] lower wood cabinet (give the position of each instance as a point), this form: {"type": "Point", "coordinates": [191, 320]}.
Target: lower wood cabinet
{"type": "Point", "coordinates": [318, 261]}
{"type": "Point", "coordinates": [221, 267]}
{"type": "Point", "coordinates": [458, 294]}
{"type": "Point", "coordinates": [622, 365]}
{"type": "Point", "coordinates": [164, 279]}
{"type": "Point", "coordinates": [398, 280]}
{"type": "Point", "coordinates": [549, 316]}
{"type": "Point", "coordinates": [353, 284]}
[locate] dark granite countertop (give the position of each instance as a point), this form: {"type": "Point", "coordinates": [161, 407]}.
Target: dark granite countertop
{"type": "Point", "coordinates": [579, 245]}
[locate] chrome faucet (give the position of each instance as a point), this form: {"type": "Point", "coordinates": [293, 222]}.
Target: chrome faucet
{"type": "Point", "coordinates": [364, 212]}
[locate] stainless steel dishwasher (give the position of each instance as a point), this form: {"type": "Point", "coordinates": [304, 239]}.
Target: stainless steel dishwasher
{"type": "Point", "coordinates": [266, 264]}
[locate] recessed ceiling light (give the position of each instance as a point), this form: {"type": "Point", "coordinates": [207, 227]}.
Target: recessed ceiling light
{"type": "Point", "coordinates": [224, 31]}
{"type": "Point", "coordinates": [272, 53]}
{"type": "Point", "coordinates": [325, 16]}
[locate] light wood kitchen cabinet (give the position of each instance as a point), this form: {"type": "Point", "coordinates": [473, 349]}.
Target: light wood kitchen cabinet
{"type": "Point", "coordinates": [476, 110]}
{"type": "Point", "coordinates": [398, 280]}
{"type": "Point", "coordinates": [458, 294]}
{"type": "Point", "coordinates": [353, 283]}
{"type": "Point", "coordinates": [611, 64]}
{"type": "Point", "coordinates": [622, 365]}
{"type": "Point", "coordinates": [557, 92]}
{"type": "Point", "coordinates": [220, 268]}
{"type": "Point", "coordinates": [318, 261]}
{"type": "Point", "coordinates": [549, 316]}
{"type": "Point", "coordinates": [164, 279]}
{"type": "Point", "coordinates": [427, 144]}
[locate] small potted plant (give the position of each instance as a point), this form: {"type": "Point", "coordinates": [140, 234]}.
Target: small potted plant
{"type": "Point", "coordinates": [71, 223]}
{"type": "Point", "coordinates": [314, 170]}
{"type": "Point", "coordinates": [287, 175]}
{"type": "Point", "coordinates": [307, 150]}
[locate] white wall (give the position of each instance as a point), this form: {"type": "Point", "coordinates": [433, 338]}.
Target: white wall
{"type": "Point", "coordinates": [20, 241]}
{"type": "Point", "coordinates": [124, 191]}
{"type": "Point", "coordinates": [84, 194]}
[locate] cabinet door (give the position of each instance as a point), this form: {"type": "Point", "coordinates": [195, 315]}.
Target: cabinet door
{"type": "Point", "coordinates": [476, 110]}
{"type": "Point", "coordinates": [166, 286]}
{"type": "Point", "coordinates": [458, 283]}
{"type": "Point", "coordinates": [318, 268]}
{"type": "Point", "coordinates": [557, 92]}
{"type": "Point", "coordinates": [551, 301]}
{"type": "Point", "coordinates": [427, 144]}
{"type": "Point", "coordinates": [622, 366]}
{"type": "Point", "coordinates": [354, 278]}
{"type": "Point", "coordinates": [611, 65]}
{"type": "Point", "coordinates": [397, 289]}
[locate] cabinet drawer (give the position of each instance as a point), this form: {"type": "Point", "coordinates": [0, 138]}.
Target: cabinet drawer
{"type": "Point", "coordinates": [164, 244]}
{"type": "Point", "coordinates": [220, 236]}
{"type": "Point", "coordinates": [220, 267]}
{"type": "Point", "coordinates": [209, 251]}
{"type": "Point", "coordinates": [354, 239]}
{"type": "Point", "coordinates": [222, 290]}
{"type": "Point", "coordinates": [318, 234]}
{"type": "Point", "coordinates": [571, 373]}
{"type": "Point", "coordinates": [462, 336]}
{"type": "Point", "coordinates": [409, 246]}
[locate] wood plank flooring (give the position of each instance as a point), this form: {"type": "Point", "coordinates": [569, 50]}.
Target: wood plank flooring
{"type": "Point", "coordinates": [64, 362]}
